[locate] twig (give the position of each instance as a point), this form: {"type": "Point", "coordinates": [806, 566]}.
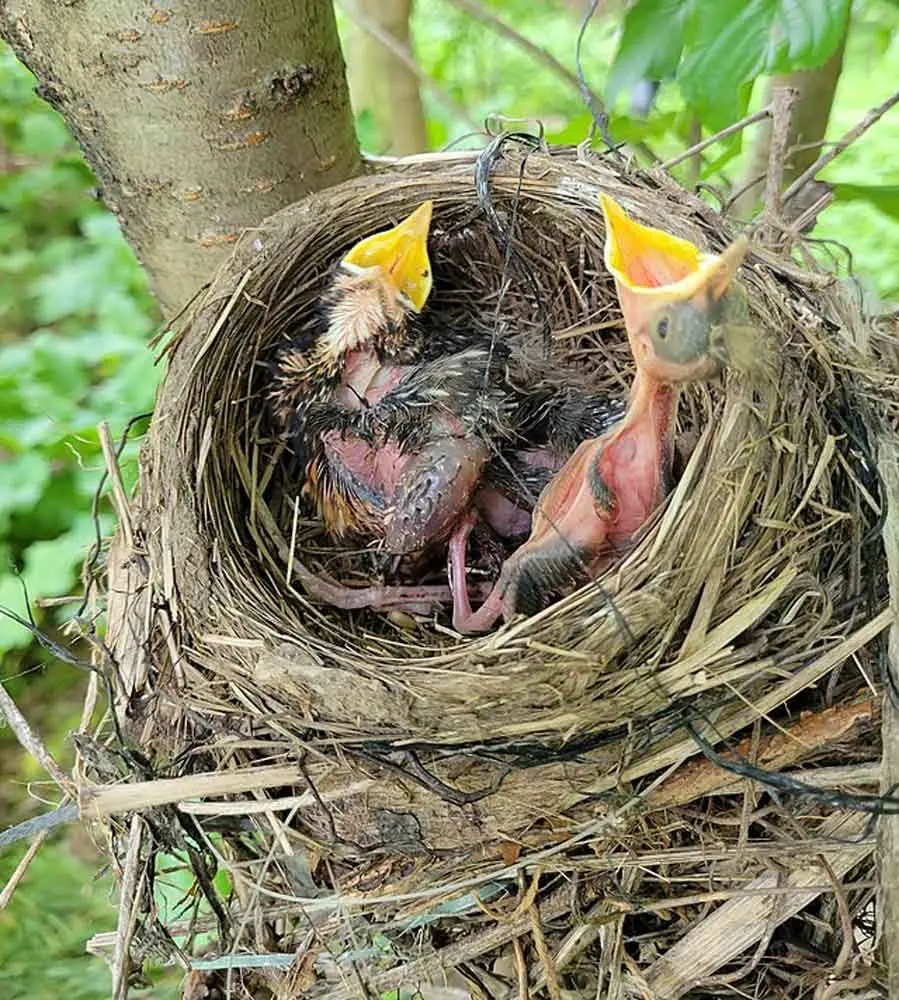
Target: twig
{"type": "Point", "coordinates": [30, 741]}
{"type": "Point", "coordinates": [598, 113]}
{"type": "Point", "coordinates": [546, 959]}
{"type": "Point", "coordinates": [723, 895]}
{"type": "Point", "coordinates": [21, 868]}
{"type": "Point", "coordinates": [888, 826]}
{"type": "Point", "coordinates": [750, 966]}
{"type": "Point", "coordinates": [871, 118]}
{"type": "Point", "coordinates": [554, 906]}
{"type": "Point", "coordinates": [521, 969]}
{"type": "Point", "coordinates": [405, 56]}
{"type": "Point", "coordinates": [782, 115]}
{"type": "Point", "coordinates": [809, 216]}
{"type": "Point", "coordinates": [293, 538]}
{"type": "Point", "coordinates": [127, 906]}
{"type": "Point", "coordinates": [290, 803]}
{"type": "Point", "coordinates": [39, 826]}
{"type": "Point", "coordinates": [845, 918]}
{"type": "Point", "coordinates": [98, 801]}
{"type": "Point", "coordinates": [580, 937]}
{"type": "Point", "coordinates": [744, 188]}
{"type": "Point", "coordinates": [120, 499]}
{"type": "Point", "coordinates": [810, 735]}
{"type": "Point", "coordinates": [839, 989]}
{"type": "Point", "coordinates": [219, 323]}
{"type": "Point", "coordinates": [523, 906]}
{"type": "Point", "coordinates": [535, 51]}
{"type": "Point", "coordinates": [741, 923]}
{"type": "Point", "coordinates": [756, 116]}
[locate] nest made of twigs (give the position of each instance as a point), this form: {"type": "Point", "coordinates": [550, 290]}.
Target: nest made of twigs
{"type": "Point", "coordinates": [428, 764]}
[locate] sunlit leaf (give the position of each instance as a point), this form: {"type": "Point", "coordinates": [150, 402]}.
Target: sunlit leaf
{"type": "Point", "coordinates": [627, 129]}
{"type": "Point", "coordinates": [725, 45]}
{"type": "Point", "coordinates": [807, 33]}
{"type": "Point", "coordinates": [884, 197]}
{"type": "Point", "coordinates": [650, 45]}
{"type": "Point", "coordinates": [21, 484]}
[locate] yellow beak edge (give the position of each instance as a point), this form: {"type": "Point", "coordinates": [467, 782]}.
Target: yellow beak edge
{"type": "Point", "coordinates": [660, 266]}
{"type": "Point", "coordinates": [402, 254]}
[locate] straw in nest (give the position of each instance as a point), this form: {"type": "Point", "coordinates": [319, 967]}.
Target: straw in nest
{"type": "Point", "coordinates": [455, 796]}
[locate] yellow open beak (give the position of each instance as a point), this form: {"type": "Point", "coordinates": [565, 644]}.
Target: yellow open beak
{"type": "Point", "coordinates": [402, 254]}
{"type": "Point", "coordinates": [652, 267]}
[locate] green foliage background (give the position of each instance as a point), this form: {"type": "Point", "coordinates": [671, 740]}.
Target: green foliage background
{"type": "Point", "coordinates": [75, 317]}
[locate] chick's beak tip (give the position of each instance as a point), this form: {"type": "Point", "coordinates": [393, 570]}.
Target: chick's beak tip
{"type": "Point", "coordinates": [723, 268]}
{"type": "Point", "coordinates": [402, 254]}
{"type": "Point", "coordinates": [655, 263]}
{"type": "Point", "coordinates": [643, 257]}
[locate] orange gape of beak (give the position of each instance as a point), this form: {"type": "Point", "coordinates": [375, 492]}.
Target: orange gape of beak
{"type": "Point", "coordinates": [401, 254]}
{"type": "Point", "coordinates": [672, 299]}
{"type": "Point", "coordinates": [672, 295]}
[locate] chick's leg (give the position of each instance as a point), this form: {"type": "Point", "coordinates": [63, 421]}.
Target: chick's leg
{"type": "Point", "coordinates": [570, 527]}
{"type": "Point", "coordinates": [465, 620]}
{"type": "Point", "coordinates": [422, 600]}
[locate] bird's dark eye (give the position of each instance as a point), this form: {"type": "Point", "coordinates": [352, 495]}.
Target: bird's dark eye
{"type": "Point", "coordinates": [662, 328]}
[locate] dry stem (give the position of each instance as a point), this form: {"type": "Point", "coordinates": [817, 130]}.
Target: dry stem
{"type": "Point", "coordinates": [31, 742]}
{"type": "Point", "coordinates": [871, 118]}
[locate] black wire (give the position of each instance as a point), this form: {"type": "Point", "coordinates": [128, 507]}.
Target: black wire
{"type": "Point", "coordinates": [878, 805]}
{"type": "Point", "coordinates": [599, 115]}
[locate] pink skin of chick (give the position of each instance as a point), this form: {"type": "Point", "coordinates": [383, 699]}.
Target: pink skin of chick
{"type": "Point", "coordinates": [670, 295]}
{"type": "Point", "coordinates": [443, 475]}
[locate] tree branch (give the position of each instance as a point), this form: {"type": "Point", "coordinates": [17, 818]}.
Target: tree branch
{"type": "Point", "coordinates": [406, 57]}
{"type": "Point", "coordinates": [871, 118]}
{"type": "Point", "coordinates": [539, 54]}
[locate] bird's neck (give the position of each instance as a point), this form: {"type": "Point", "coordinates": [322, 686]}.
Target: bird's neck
{"type": "Point", "coordinates": [363, 316]}
{"type": "Point", "coordinates": [651, 413]}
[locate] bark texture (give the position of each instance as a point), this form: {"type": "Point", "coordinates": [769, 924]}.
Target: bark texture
{"type": "Point", "coordinates": [380, 81]}
{"type": "Point", "coordinates": [199, 120]}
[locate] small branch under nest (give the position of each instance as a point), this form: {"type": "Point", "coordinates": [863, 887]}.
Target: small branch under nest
{"type": "Point", "coordinates": [31, 742]}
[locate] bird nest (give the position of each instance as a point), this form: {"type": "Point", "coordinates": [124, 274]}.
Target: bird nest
{"type": "Point", "coordinates": [649, 788]}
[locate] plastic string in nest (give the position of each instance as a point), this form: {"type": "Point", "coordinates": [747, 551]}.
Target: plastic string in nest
{"type": "Point", "coordinates": [412, 452]}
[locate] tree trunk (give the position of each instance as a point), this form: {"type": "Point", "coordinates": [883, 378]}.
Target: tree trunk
{"type": "Point", "coordinates": [380, 82]}
{"type": "Point", "coordinates": [197, 122]}
{"type": "Point", "coordinates": [808, 126]}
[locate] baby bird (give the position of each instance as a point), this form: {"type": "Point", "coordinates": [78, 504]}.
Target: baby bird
{"type": "Point", "coordinates": [389, 446]}
{"type": "Point", "coordinates": [673, 298]}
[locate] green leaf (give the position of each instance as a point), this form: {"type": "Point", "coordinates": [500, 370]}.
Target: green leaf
{"type": "Point", "coordinates": [650, 46]}
{"type": "Point", "coordinates": [627, 129]}
{"type": "Point", "coordinates": [726, 45]}
{"type": "Point", "coordinates": [50, 569]}
{"type": "Point", "coordinates": [884, 197]}
{"type": "Point", "coordinates": [22, 483]}
{"type": "Point", "coordinates": [807, 33]}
